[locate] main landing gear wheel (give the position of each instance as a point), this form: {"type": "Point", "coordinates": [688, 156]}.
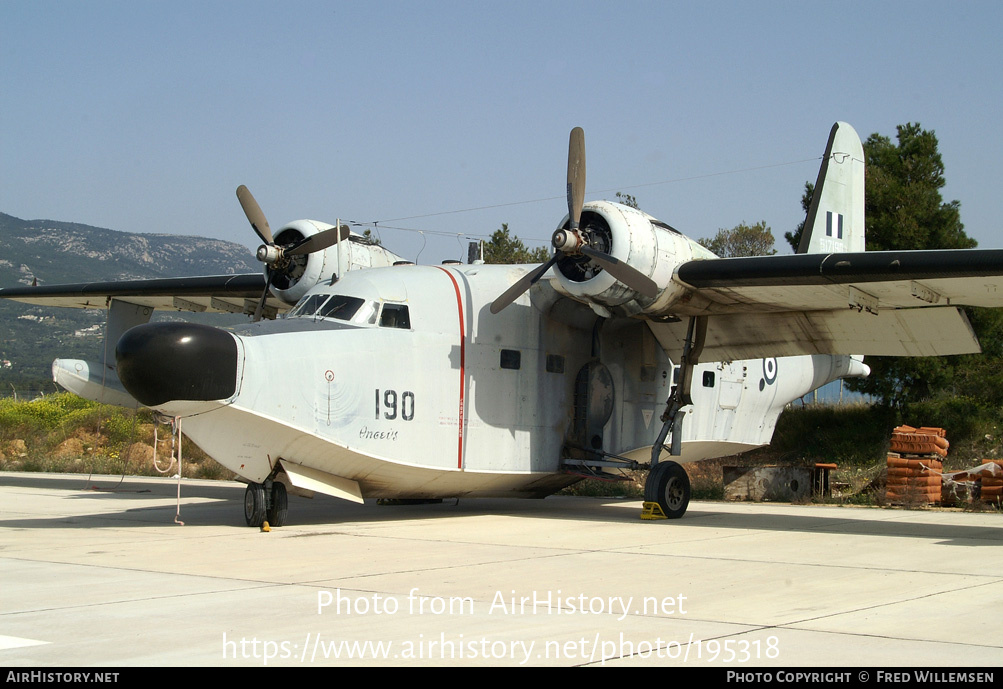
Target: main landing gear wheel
{"type": "Point", "coordinates": [279, 508]}
{"type": "Point", "coordinates": [669, 486]}
{"type": "Point", "coordinates": [255, 507]}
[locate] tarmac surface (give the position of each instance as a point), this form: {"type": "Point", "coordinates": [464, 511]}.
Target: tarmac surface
{"type": "Point", "coordinates": [95, 572]}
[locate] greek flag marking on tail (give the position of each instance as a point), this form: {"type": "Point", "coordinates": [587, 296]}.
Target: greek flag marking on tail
{"type": "Point", "coordinates": [828, 224]}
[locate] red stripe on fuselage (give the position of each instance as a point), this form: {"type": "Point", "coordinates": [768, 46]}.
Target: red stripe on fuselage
{"type": "Point", "coordinates": [463, 337]}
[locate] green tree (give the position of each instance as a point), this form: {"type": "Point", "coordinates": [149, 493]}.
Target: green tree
{"type": "Point", "coordinates": [794, 238]}
{"type": "Point", "coordinates": [506, 248]}
{"type": "Point", "coordinates": [903, 205]}
{"type": "Point", "coordinates": [627, 200]}
{"type": "Point", "coordinates": [742, 240]}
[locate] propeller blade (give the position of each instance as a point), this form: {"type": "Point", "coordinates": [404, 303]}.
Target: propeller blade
{"type": "Point", "coordinates": [254, 215]}
{"type": "Point", "coordinates": [623, 272]}
{"type": "Point", "coordinates": [576, 175]}
{"type": "Point", "coordinates": [264, 296]}
{"type": "Point", "coordinates": [319, 241]}
{"type": "Point", "coordinates": [521, 285]}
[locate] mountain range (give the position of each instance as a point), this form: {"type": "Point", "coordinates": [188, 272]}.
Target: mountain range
{"type": "Point", "coordinates": [54, 252]}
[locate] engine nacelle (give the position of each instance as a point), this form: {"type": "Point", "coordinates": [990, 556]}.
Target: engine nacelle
{"type": "Point", "coordinates": [632, 237]}
{"type": "Point", "coordinates": [295, 275]}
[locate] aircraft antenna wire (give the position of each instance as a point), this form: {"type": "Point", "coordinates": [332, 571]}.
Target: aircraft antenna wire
{"type": "Point", "coordinates": [674, 180]}
{"type": "Point", "coordinates": [423, 242]}
{"type": "Point", "coordinates": [125, 452]}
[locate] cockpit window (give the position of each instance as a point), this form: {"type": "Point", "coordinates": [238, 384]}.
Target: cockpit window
{"type": "Point", "coordinates": [395, 316]}
{"type": "Point", "coordinates": [368, 312]}
{"type": "Point", "coordinates": [340, 307]}
{"type": "Point", "coordinates": [309, 305]}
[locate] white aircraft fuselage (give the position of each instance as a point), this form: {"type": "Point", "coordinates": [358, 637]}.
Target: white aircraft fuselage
{"type": "Point", "coordinates": [456, 402]}
{"type": "Point", "coordinates": [402, 381]}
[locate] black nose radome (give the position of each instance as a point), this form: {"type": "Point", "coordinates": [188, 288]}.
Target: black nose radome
{"type": "Point", "coordinates": [164, 362]}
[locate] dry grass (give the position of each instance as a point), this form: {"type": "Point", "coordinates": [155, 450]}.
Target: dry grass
{"type": "Point", "coordinates": [64, 433]}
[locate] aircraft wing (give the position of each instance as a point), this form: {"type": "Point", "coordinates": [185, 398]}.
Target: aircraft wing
{"type": "Point", "coordinates": [888, 303]}
{"type": "Point", "coordinates": [212, 294]}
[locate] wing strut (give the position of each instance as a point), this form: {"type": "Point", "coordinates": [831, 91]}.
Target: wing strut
{"type": "Point", "coordinates": [672, 417]}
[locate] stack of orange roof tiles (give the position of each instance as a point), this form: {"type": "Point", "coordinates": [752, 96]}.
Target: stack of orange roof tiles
{"type": "Point", "coordinates": [984, 481]}
{"type": "Point", "coordinates": [992, 485]}
{"type": "Point", "coordinates": [915, 464]}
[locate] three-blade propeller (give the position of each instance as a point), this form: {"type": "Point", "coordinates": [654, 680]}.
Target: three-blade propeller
{"type": "Point", "coordinates": [570, 242]}
{"type": "Point", "coordinates": [276, 256]}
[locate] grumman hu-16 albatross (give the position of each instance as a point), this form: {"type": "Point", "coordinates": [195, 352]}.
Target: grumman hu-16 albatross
{"type": "Point", "coordinates": [633, 346]}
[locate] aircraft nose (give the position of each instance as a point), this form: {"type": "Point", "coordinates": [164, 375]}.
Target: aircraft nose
{"type": "Point", "coordinates": [165, 362]}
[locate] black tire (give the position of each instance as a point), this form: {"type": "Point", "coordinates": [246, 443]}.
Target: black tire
{"type": "Point", "coordinates": [254, 504]}
{"type": "Point", "coordinates": [279, 510]}
{"type": "Point", "coordinates": [669, 486]}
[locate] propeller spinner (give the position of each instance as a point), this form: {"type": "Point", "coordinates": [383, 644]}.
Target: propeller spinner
{"type": "Point", "coordinates": [571, 241]}
{"type": "Point", "coordinates": [276, 256]}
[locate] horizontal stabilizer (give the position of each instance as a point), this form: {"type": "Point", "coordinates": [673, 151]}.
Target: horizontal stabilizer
{"type": "Point", "coordinates": [92, 381]}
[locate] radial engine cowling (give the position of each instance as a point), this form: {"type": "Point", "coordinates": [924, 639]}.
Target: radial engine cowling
{"type": "Point", "coordinates": [630, 236]}
{"type": "Point", "coordinates": [294, 275]}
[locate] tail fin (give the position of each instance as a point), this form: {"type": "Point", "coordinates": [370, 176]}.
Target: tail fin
{"type": "Point", "coordinates": [835, 222]}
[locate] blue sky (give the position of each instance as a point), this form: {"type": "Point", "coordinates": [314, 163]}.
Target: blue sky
{"type": "Point", "coordinates": [145, 116]}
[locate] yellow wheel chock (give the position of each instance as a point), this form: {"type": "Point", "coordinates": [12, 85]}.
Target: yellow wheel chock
{"type": "Point", "coordinates": [652, 510]}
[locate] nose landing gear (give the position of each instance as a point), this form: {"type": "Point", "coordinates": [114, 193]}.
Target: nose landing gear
{"type": "Point", "coordinates": [266, 501]}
